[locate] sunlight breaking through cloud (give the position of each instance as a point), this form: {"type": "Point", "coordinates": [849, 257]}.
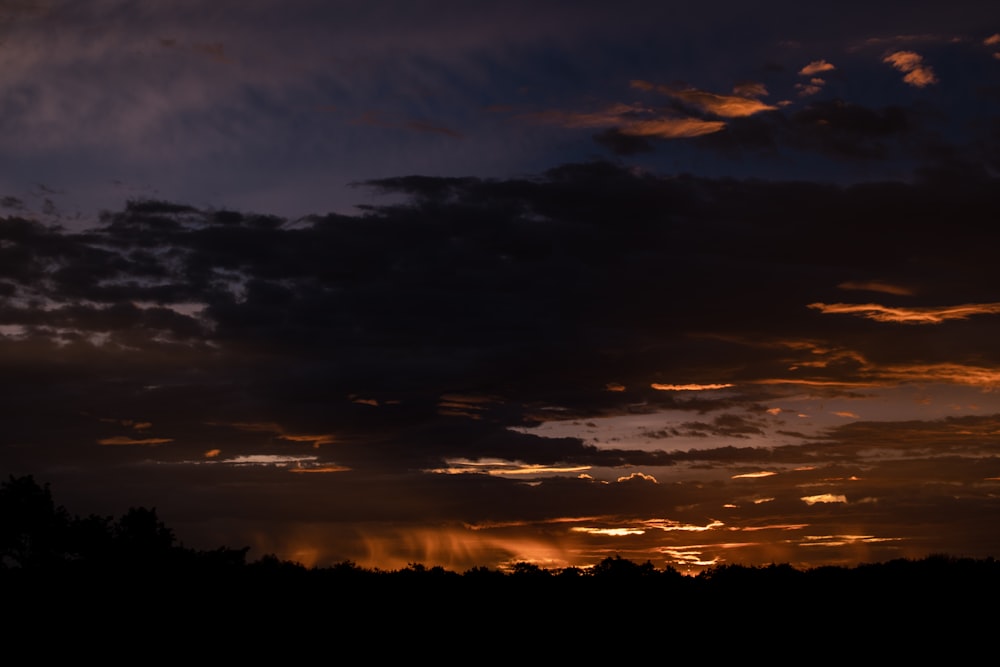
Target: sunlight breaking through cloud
{"type": "Point", "coordinates": [824, 498]}
{"type": "Point", "coordinates": [502, 468]}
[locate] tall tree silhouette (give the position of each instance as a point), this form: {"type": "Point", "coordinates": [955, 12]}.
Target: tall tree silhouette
{"type": "Point", "coordinates": [33, 530]}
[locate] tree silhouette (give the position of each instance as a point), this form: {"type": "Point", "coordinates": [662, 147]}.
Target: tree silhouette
{"type": "Point", "coordinates": [33, 530]}
{"type": "Point", "coordinates": [139, 534]}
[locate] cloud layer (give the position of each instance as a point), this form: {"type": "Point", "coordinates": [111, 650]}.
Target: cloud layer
{"type": "Point", "coordinates": [584, 349]}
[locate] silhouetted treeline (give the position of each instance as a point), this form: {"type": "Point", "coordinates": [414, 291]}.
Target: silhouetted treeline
{"type": "Point", "coordinates": [89, 570]}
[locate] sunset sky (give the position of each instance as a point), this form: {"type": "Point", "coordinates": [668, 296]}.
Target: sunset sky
{"type": "Point", "coordinates": [473, 283]}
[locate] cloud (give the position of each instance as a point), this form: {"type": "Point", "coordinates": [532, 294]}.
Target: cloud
{"type": "Point", "coordinates": [824, 499]}
{"type": "Point", "coordinates": [723, 106]}
{"type": "Point", "coordinates": [637, 476]}
{"type": "Point", "coordinates": [632, 121]}
{"type": "Point", "coordinates": [913, 315]}
{"type": "Point", "coordinates": [806, 90]}
{"type": "Point", "coordinates": [671, 128]}
{"type": "Point", "coordinates": [125, 440]}
{"type": "Point", "coordinates": [421, 331]}
{"type": "Point", "coordinates": [750, 89]}
{"type": "Point", "coordinates": [689, 387]}
{"type": "Point", "coordinates": [322, 469]}
{"type": "Point", "coordinates": [841, 128]}
{"type": "Point", "coordinates": [917, 74]}
{"type": "Point", "coordinates": [875, 286]}
{"type": "Point", "coordinates": [755, 475]}
{"type": "Point", "coordinates": [815, 67]}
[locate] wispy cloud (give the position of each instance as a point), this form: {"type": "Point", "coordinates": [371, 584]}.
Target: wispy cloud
{"type": "Point", "coordinates": [688, 387]}
{"type": "Point", "coordinates": [914, 315]}
{"type": "Point", "coordinates": [724, 106]}
{"type": "Point", "coordinates": [632, 120]}
{"type": "Point", "coordinates": [125, 440]}
{"type": "Point", "coordinates": [875, 286]}
{"type": "Point", "coordinates": [279, 432]}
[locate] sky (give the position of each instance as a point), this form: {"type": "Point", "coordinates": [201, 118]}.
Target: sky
{"type": "Point", "coordinates": [472, 284]}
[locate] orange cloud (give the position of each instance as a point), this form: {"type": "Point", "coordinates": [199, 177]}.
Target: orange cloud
{"type": "Point", "coordinates": [502, 467]}
{"type": "Point", "coordinates": [824, 498]}
{"type": "Point", "coordinates": [320, 469]}
{"type": "Point", "coordinates": [954, 373]}
{"type": "Point", "coordinates": [917, 74]}
{"type": "Point", "coordinates": [613, 532]}
{"type": "Point", "coordinates": [688, 387]}
{"type": "Point", "coordinates": [279, 431]}
{"type": "Point", "coordinates": [638, 476]}
{"type": "Point", "coordinates": [316, 440]}
{"type": "Point", "coordinates": [669, 525]}
{"type": "Point", "coordinates": [869, 375]}
{"type": "Point", "coordinates": [879, 313]}
{"type": "Point", "coordinates": [633, 120]}
{"type": "Point", "coordinates": [673, 128]}
{"type": "Point", "coordinates": [125, 440]}
{"type": "Point", "coordinates": [992, 39]}
{"type": "Point", "coordinates": [815, 67]}
{"type": "Point", "coordinates": [875, 286]}
{"type": "Point", "coordinates": [726, 106]}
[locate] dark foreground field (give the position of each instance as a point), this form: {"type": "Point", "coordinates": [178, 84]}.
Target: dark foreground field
{"type": "Point", "coordinates": [103, 586]}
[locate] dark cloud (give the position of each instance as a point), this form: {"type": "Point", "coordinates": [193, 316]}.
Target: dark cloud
{"type": "Point", "coordinates": [532, 292]}
{"type": "Point", "coordinates": [849, 130]}
{"type": "Point", "coordinates": [623, 144]}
